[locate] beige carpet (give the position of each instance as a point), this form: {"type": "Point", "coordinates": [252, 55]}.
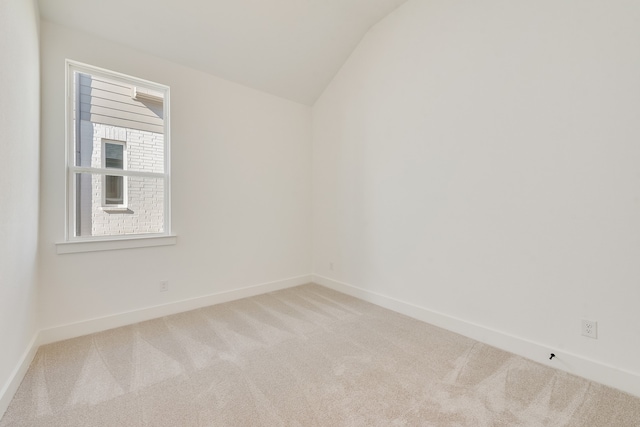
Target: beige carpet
{"type": "Point", "coordinates": [306, 356]}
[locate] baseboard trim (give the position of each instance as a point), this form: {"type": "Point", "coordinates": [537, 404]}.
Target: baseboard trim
{"type": "Point", "coordinates": [14, 381]}
{"type": "Point", "coordinates": [90, 326]}
{"type": "Point", "coordinates": [575, 364]}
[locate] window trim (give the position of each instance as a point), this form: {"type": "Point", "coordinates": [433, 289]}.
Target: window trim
{"type": "Point", "coordinates": [115, 243]}
{"type": "Point", "coordinates": [71, 169]}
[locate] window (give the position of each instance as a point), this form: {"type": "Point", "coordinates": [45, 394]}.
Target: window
{"type": "Point", "coordinates": [117, 156]}
{"type": "Point", "coordinates": [114, 187]}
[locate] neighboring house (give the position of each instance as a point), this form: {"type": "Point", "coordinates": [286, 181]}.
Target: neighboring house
{"type": "Point", "coordinates": [120, 128]}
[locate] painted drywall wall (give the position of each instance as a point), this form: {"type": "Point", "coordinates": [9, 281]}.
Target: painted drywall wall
{"type": "Point", "coordinates": [480, 160]}
{"type": "Point", "coordinates": [19, 142]}
{"type": "Point", "coordinates": [240, 190]}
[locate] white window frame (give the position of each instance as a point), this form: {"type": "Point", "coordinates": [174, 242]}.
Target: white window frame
{"type": "Point", "coordinates": [125, 196]}
{"type": "Point", "coordinates": [128, 240]}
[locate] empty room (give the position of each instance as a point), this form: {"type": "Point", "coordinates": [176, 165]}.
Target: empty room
{"type": "Point", "coordinates": [319, 213]}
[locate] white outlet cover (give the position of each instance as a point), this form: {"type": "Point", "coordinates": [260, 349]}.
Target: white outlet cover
{"type": "Point", "coordinates": [590, 328]}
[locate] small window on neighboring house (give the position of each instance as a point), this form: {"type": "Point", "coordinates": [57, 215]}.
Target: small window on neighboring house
{"type": "Point", "coordinates": [114, 186]}
{"type": "Point", "coordinates": [117, 155]}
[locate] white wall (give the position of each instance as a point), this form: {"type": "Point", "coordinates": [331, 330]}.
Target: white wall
{"type": "Point", "coordinates": [240, 190]}
{"type": "Point", "coordinates": [19, 130]}
{"type": "Point", "coordinates": [481, 160]}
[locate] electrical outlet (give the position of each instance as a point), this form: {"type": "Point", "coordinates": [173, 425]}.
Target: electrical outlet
{"type": "Point", "coordinates": [331, 266]}
{"type": "Point", "coordinates": [164, 286]}
{"type": "Point", "coordinates": [590, 328]}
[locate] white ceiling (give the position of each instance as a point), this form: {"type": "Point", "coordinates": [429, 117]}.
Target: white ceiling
{"type": "Point", "coordinates": [290, 48]}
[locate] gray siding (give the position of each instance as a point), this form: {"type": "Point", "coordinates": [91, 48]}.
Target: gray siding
{"type": "Point", "coordinates": [110, 103]}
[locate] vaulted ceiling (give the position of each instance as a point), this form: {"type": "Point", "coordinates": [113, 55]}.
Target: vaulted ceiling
{"type": "Point", "coordinates": [289, 48]}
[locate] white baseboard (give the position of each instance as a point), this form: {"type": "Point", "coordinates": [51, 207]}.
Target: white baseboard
{"type": "Point", "coordinates": [569, 362]}
{"type": "Point", "coordinates": [11, 386]}
{"type": "Point", "coordinates": [85, 327]}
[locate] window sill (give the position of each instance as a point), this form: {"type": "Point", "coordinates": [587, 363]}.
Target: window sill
{"type": "Point", "coordinates": [114, 244]}
{"type": "Point", "coordinates": [113, 210]}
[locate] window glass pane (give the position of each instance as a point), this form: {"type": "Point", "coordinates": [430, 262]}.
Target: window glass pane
{"type": "Point", "coordinates": [114, 190]}
{"type": "Point", "coordinates": [109, 109]}
{"type": "Point", "coordinates": [114, 156]}
{"type": "Point", "coordinates": [143, 214]}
